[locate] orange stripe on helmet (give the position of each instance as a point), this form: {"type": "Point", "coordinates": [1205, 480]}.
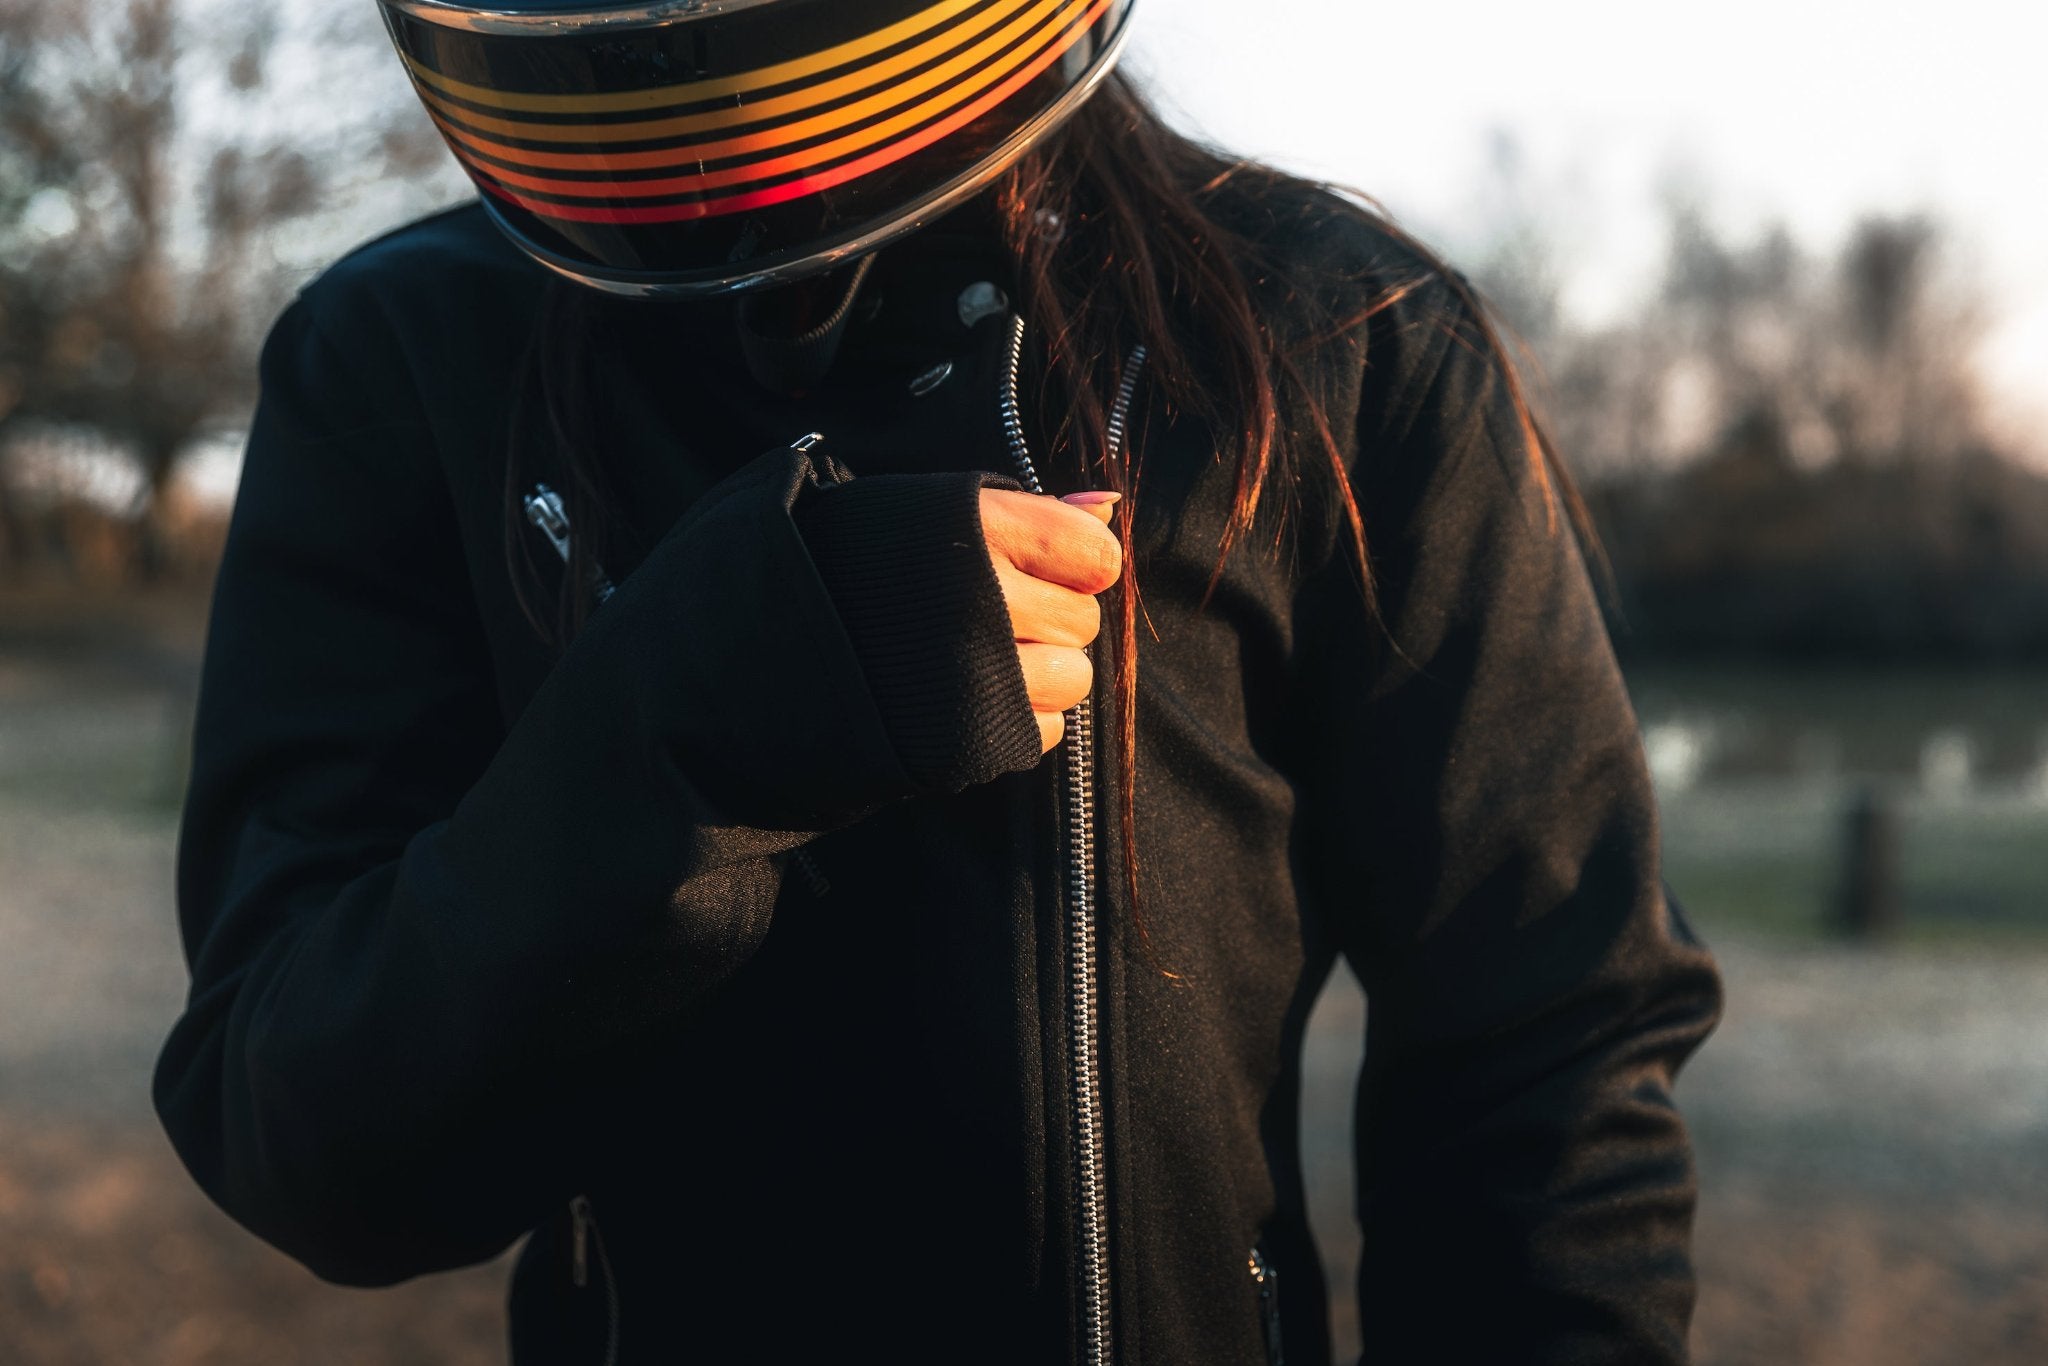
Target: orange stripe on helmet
{"type": "Point", "coordinates": [740, 116]}
{"type": "Point", "coordinates": [1042, 15]}
{"type": "Point", "coordinates": [742, 83]}
{"type": "Point", "coordinates": [812, 184]}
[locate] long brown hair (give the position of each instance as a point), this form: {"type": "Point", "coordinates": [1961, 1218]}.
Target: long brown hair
{"type": "Point", "coordinates": [1114, 226]}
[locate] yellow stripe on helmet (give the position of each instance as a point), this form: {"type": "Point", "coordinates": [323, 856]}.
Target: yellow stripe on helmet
{"type": "Point", "coordinates": [745, 82]}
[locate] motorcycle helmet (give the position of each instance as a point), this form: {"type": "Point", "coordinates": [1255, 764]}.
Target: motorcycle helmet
{"type": "Point", "coordinates": [694, 147]}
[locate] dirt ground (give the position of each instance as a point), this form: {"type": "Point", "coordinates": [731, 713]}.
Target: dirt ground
{"type": "Point", "coordinates": [1872, 1128]}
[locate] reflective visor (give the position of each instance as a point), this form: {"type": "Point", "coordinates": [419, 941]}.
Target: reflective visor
{"type": "Point", "coordinates": [695, 147]}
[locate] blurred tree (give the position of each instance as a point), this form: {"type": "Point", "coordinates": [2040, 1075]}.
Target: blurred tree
{"type": "Point", "coordinates": [1871, 362]}
{"type": "Point", "coordinates": [140, 314]}
{"type": "Point", "coordinates": [142, 185]}
{"type": "Point", "coordinates": [1516, 269]}
{"type": "Point", "coordinates": [1818, 484]}
{"type": "Point", "coordinates": [30, 163]}
{"type": "Point", "coordinates": [1904, 390]}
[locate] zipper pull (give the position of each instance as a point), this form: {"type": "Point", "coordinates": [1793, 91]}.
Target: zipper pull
{"type": "Point", "coordinates": [544, 508]}
{"type": "Point", "coordinates": [1267, 1277]}
{"type": "Point", "coordinates": [579, 1241]}
{"type": "Point", "coordinates": [824, 469]}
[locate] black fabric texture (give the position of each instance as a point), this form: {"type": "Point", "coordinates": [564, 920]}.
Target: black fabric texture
{"type": "Point", "coordinates": [923, 611]}
{"type": "Point", "coordinates": [478, 924]}
{"type": "Point", "coordinates": [789, 361]}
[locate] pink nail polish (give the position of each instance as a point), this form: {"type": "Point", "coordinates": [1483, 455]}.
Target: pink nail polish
{"type": "Point", "coordinates": [1090, 497]}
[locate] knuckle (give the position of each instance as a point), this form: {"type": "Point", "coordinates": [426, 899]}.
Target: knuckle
{"type": "Point", "coordinates": [1049, 544]}
{"type": "Point", "coordinates": [1109, 559]}
{"type": "Point", "coordinates": [1087, 619]}
{"type": "Point", "coordinates": [1037, 679]}
{"type": "Point", "coordinates": [1090, 556]}
{"type": "Point", "coordinates": [1056, 677]}
{"type": "Point", "coordinates": [1074, 676]}
{"type": "Point", "coordinates": [1062, 616]}
{"type": "Point", "coordinates": [1051, 541]}
{"type": "Point", "coordinates": [999, 519]}
{"type": "Point", "coordinates": [1017, 590]}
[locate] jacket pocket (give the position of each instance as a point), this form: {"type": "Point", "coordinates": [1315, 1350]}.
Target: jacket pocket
{"type": "Point", "coordinates": [1266, 1277]}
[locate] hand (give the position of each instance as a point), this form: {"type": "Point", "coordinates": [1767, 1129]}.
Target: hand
{"type": "Point", "coordinates": [1051, 557]}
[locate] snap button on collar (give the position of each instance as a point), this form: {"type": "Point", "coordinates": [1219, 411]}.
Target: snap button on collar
{"type": "Point", "coordinates": [931, 379]}
{"type": "Point", "coordinates": [981, 300]}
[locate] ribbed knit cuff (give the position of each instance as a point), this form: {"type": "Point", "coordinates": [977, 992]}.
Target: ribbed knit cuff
{"type": "Point", "coordinates": [905, 563]}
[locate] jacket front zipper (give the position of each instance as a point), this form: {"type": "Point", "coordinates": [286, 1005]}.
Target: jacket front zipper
{"type": "Point", "coordinates": [1083, 1028]}
{"type": "Point", "coordinates": [544, 508]}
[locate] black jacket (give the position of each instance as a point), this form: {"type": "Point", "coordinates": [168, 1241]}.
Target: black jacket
{"type": "Point", "coordinates": [479, 931]}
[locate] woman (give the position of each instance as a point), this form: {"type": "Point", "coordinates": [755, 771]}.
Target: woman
{"type": "Point", "coordinates": [620, 814]}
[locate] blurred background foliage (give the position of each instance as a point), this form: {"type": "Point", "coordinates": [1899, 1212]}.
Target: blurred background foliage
{"type": "Point", "coordinates": [1786, 448]}
{"type": "Point", "coordinates": [1831, 598]}
{"type": "Point", "coordinates": [157, 169]}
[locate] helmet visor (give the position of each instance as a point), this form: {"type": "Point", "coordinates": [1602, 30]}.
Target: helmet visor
{"type": "Point", "coordinates": [691, 148]}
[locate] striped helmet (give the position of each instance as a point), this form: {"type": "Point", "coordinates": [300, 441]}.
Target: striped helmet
{"type": "Point", "coordinates": [691, 147]}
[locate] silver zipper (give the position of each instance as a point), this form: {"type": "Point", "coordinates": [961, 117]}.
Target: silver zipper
{"type": "Point", "coordinates": [1084, 1055]}
{"type": "Point", "coordinates": [1266, 1277]}
{"type": "Point", "coordinates": [583, 1239]}
{"type": "Point", "coordinates": [545, 510]}
{"type": "Point", "coordinates": [550, 516]}
{"type": "Point", "coordinates": [810, 445]}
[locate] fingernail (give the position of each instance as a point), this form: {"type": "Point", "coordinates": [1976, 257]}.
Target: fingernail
{"type": "Point", "coordinates": [1090, 497]}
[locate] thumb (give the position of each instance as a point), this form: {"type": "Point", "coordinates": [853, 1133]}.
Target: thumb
{"type": "Point", "coordinates": [1098, 503]}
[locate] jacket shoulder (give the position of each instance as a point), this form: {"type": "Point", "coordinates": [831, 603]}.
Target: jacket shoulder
{"type": "Point", "coordinates": [451, 271]}
{"type": "Point", "coordinates": [1315, 250]}
{"type": "Point", "coordinates": [1338, 280]}
{"type": "Point", "coordinates": [1390, 338]}
{"type": "Point", "coordinates": [430, 323]}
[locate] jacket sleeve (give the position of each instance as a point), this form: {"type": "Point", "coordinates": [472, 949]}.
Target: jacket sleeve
{"type": "Point", "coordinates": [1482, 832]}
{"type": "Point", "coordinates": [416, 934]}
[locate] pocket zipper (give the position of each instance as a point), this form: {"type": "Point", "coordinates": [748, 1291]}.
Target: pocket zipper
{"type": "Point", "coordinates": [545, 509]}
{"type": "Point", "coordinates": [1267, 1277]}
{"type": "Point", "coordinates": [550, 515]}
{"type": "Point", "coordinates": [584, 1239]}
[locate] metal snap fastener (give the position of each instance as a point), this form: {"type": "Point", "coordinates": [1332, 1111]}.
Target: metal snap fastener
{"type": "Point", "coordinates": [981, 300]}
{"type": "Point", "coordinates": [931, 379]}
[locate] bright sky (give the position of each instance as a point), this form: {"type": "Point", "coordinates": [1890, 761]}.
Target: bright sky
{"type": "Point", "coordinates": [1816, 111]}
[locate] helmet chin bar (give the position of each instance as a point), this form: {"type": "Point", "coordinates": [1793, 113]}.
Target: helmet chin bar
{"type": "Point", "coordinates": [699, 147]}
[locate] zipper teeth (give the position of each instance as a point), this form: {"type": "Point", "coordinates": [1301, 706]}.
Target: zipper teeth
{"type": "Point", "coordinates": [1079, 754]}
{"type": "Point", "coordinates": [544, 508]}
{"type": "Point", "coordinates": [1126, 389]}
{"type": "Point", "coordinates": [1013, 422]}
{"type": "Point", "coordinates": [1087, 1084]}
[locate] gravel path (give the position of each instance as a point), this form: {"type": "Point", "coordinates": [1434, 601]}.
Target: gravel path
{"type": "Point", "coordinates": [1872, 1138]}
{"type": "Point", "coordinates": [1872, 1128]}
{"type": "Point", "coordinates": [1873, 1143]}
{"type": "Point", "coordinates": [108, 1253]}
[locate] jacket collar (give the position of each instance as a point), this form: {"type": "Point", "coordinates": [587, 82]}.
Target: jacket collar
{"type": "Point", "coordinates": [884, 322]}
